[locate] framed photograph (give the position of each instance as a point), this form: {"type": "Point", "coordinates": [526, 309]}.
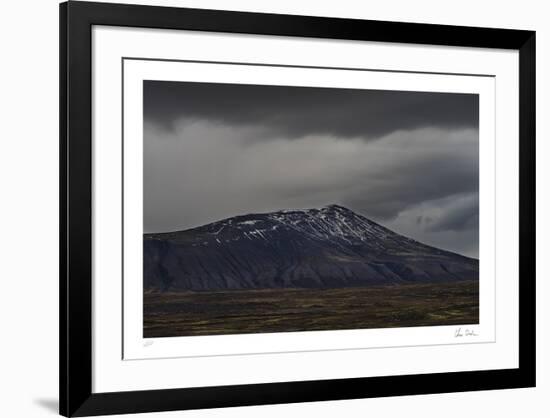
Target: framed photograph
{"type": "Point", "coordinates": [262, 208]}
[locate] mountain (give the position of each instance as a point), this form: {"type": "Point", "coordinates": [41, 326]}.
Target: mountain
{"type": "Point", "coordinates": [321, 248]}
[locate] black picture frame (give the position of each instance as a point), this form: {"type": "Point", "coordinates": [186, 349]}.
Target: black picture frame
{"type": "Point", "coordinates": [76, 21]}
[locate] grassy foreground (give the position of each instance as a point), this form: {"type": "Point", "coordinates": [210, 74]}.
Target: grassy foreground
{"type": "Point", "coordinates": [285, 310]}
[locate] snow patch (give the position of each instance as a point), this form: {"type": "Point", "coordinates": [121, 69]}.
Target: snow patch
{"type": "Point", "coordinates": [249, 222]}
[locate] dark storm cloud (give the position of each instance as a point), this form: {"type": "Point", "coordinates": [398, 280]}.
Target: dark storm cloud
{"type": "Point", "coordinates": [464, 215]}
{"type": "Point", "coordinates": [298, 111]}
{"type": "Point", "coordinates": [451, 222]}
{"type": "Point", "coordinates": [213, 151]}
{"type": "Point", "coordinates": [407, 183]}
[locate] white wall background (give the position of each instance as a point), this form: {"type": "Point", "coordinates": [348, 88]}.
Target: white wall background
{"type": "Point", "coordinates": [29, 209]}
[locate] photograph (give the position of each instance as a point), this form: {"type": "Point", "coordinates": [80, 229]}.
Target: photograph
{"type": "Point", "coordinates": [287, 208]}
{"type": "Point", "coordinates": [264, 208]}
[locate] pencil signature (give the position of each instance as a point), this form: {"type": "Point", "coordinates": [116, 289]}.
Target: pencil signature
{"type": "Point", "coordinates": [465, 332]}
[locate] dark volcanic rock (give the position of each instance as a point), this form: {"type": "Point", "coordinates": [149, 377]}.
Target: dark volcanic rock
{"type": "Point", "coordinates": [328, 247]}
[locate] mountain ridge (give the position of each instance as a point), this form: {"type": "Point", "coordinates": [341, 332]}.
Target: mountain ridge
{"type": "Point", "coordinates": [323, 247]}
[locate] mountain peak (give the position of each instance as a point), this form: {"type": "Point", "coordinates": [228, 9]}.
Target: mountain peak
{"type": "Point", "coordinates": [333, 224]}
{"type": "Point", "coordinates": [335, 206]}
{"type": "Point", "coordinates": [332, 207]}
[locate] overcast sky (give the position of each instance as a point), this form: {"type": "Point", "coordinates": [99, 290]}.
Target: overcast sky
{"type": "Point", "coordinates": [408, 160]}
